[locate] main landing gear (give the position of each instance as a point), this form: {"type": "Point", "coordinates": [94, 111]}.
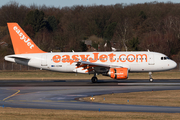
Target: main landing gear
{"type": "Point", "coordinates": [150, 77]}
{"type": "Point", "coordinates": [94, 79]}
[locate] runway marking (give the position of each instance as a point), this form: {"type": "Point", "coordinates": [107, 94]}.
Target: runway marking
{"type": "Point", "coordinates": [11, 95]}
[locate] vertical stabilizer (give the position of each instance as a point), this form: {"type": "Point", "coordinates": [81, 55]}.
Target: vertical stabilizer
{"type": "Point", "coordinates": [22, 44]}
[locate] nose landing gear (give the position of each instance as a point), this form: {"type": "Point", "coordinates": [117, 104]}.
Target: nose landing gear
{"type": "Point", "coordinates": [150, 77]}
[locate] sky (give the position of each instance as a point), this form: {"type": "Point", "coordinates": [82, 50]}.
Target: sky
{"type": "Point", "coordinates": [69, 3]}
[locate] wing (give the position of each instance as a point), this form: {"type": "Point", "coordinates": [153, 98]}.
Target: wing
{"type": "Point", "coordinates": [89, 67]}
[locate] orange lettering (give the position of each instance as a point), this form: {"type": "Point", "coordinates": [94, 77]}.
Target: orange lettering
{"type": "Point", "coordinates": [141, 57]}
{"type": "Point", "coordinates": [103, 58]}
{"type": "Point", "coordinates": [66, 58]}
{"type": "Point", "coordinates": [56, 58]}
{"type": "Point", "coordinates": [120, 58]}
{"type": "Point", "coordinates": [75, 58]}
{"type": "Point", "coordinates": [95, 58]}
{"type": "Point", "coordinates": [129, 59]}
{"type": "Point", "coordinates": [84, 58]}
{"type": "Point", "coordinates": [111, 57]}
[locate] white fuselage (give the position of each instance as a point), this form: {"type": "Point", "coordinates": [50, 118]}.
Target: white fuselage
{"type": "Point", "coordinates": [66, 61]}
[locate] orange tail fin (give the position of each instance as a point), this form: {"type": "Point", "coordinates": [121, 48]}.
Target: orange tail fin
{"type": "Point", "coordinates": [22, 44]}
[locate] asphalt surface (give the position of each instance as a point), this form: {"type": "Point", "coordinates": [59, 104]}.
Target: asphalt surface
{"type": "Point", "coordinates": [67, 94]}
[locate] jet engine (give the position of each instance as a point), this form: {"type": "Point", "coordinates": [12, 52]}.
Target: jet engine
{"type": "Point", "coordinates": [118, 73]}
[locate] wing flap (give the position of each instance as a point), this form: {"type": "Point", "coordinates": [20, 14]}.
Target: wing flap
{"type": "Point", "coordinates": [85, 63]}
{"type": "Point", "coordinates": [89, 67]}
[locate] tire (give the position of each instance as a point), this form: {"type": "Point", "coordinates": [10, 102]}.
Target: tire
{"type": "Point", "coordinates": [94, 79]}
{"type": "Point", "coordinates": [151, 80]}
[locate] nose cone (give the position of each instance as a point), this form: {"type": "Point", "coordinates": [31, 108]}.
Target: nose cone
{"type": "Point", "coordinates": [173, 64]}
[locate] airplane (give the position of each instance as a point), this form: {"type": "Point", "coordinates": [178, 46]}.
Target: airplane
{"type": "Point", "coordinates": [116, 65]}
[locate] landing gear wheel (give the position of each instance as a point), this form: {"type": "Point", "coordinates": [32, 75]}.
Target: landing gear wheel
{"type": "Point", "coordinates": [151, 79]}
{"type": "Point", "coordinates": [94, 79]}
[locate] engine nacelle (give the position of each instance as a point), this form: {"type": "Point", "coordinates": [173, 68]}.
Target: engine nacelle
{"type": "Point", "coordinates": [118, 73]}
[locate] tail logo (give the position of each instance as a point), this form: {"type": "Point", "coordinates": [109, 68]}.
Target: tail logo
{"type": "Point", "coordinates": [22, 37]}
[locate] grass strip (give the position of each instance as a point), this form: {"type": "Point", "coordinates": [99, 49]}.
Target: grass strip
{"type": "Point", "coordinates": [153, 98]}
{"type": "Point", "coordinates": [39, 114]}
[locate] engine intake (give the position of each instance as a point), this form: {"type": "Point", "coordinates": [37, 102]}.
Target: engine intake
{"type": "Point", "coordinates": [118, 73]}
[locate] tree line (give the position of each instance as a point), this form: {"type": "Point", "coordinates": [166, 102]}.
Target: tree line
{"type": "Point", "coordinates": [153, 26]}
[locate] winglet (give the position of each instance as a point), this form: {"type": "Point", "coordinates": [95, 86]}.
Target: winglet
{"type": "Point", "coordinates": [22, 44]}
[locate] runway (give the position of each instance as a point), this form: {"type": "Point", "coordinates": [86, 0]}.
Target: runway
{"type": "Point", "coordinates": [66, 94]}
{"type": "Point", "coordinates": [107, 82]}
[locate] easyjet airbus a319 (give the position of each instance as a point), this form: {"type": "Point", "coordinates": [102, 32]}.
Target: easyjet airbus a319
{"type": "Point", "coordinates": [117, 65]}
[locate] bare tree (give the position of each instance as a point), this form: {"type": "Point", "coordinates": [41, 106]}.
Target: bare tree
{"type": "Point", "coordinates": [12, 12]}
{"type": "Point", "coordinates": [124, 32]}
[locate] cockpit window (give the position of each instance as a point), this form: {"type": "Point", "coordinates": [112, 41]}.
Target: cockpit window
{"type": "Point", "coordinates": [164, 58]}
